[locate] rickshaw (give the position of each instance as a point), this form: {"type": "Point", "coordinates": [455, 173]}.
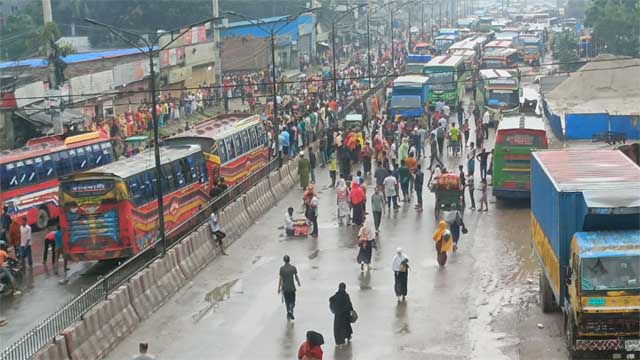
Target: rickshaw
{"type": "Point", "coordinates": [449, 194]}
{"type": "Point", "coordinates": [135, 143]}
{"type": "Point", "coordinates": [352, 121]}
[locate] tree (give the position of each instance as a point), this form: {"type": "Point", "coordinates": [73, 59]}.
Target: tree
{"type": "Point", "coordinates": [20, 34]}
{"type": "Point", "coordinates": [565, 50]}
{"type": "Point", "coordinates": [615, 25]}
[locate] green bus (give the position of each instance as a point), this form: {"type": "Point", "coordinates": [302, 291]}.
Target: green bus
{"type": "Point", "coordinates": [499, 90]}
{"type": "Point", "coordinates": [446, 79]}
{"type": "Point", "coordinates": [516, 138]}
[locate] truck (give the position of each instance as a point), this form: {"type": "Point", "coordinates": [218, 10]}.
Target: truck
{"type": "Point", "coordinates": [409, 93]}
{"type": "Point", "coordinates": [416, 63]}
{"type": "Point", "coordinates": [585, 231]}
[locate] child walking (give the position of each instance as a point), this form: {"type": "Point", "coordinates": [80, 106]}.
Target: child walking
{"type": "Point", "coordinates": [484, 205]}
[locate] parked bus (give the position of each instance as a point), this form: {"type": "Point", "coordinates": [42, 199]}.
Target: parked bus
{"type": "Point", "coordinates": [499, 90]}
{"type": "Point", "coordinates": [234, 145]}
{"type": "Point", "coordinates": [497, 58]}
{"type": "Point", "coordinates": [29, 175]}
{"type": "Point", "coordinates": [445, 79]}
{"type": "Point", "coordinates": [516, 138]}
{"type": "Point", "coordinates": [111, 212]}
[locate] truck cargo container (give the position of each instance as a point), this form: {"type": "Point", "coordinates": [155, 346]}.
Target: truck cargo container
{"type": "Point", "coordinates": [585, 229]}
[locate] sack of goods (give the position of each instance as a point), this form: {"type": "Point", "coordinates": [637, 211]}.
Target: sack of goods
{"type": "Point", "coordinates": [300, 228]}
{"type": "Point", "coordinates": [448, 182]}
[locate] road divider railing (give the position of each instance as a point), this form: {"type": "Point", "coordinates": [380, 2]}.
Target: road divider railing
{"type": "Point", "coordinates": [94, 322]}
{"type": "Point", "coordinates": [90, 325]}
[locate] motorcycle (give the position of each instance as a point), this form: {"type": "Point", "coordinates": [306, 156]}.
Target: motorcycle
{"type": "Point", "coordinates": [13, 266]}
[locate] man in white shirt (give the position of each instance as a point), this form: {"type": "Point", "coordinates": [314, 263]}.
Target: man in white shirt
{"type": "Point", "coordinates": [143, 354]}
{"type": "Point", "coordinates": [215, 229]}
{"type": "Point", "coordinates": [390, 190]}
{"type": "Point", "coordinates": [288, 222]}
{"type": "Point", "coordinates": [25, 244]}
{"type": "Point", "coordinates": [486, 118]}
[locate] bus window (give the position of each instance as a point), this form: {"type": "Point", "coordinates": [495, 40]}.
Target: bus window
{"type": "Point", "coordinates": [168, 182]}
{"type": "Point", "coordinates": [97, 155]}
{"type": "Point", "coordinates": [80, 160]}
{"type": "Point", "coordinates": [246, 146]}
{"type": "Point", "coordinates": [252, 136]}
{"type": "Point", "coordinates": [222, 152]}
{"type": "Point", "coordinates": [262, 137]}
{"type": "Point", "coordinates": [238, 144]}
{"type": "Point", "coordinates": [26, 172]}
{"type": "Point", "coordinates": [106, 152]}
{"type": "Point", "coordinates": [134, 190]}
{"type": "Point", "coordinates": [231, 147]}
{"type": "Point", "coordinates": [192, 170]}
{"type": "Point", "coordinates": [44, 168]}
{"type": "Point", "coordinates": [178, 174]}
{"type": "Point", "coordinates": [150, 192]}
{"type": "Point", "coordinates": [9, 176]}
{"type": "Point", "coordinates": [63, 164]}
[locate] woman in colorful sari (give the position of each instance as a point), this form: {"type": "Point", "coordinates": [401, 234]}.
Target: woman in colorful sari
{"type": "Point", "coordinates": [357, 198]}
{"type": "Point", "coordinates": [444, 242]}
{"type": "Point", "coordinates": [342, 200]}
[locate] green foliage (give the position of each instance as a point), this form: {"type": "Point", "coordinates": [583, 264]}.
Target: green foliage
{"type": "Point", "coordinates": [19, 36]}
{"type": "Point", "coordinates": [565, 50]}
{"type": "Point", "coordinates": [616, 25]}
{"type": "Point", "coordinates": [576, 8]}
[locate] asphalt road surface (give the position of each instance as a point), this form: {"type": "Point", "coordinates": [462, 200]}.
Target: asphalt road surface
{"type": "Point", "coordinates": [482, 305]}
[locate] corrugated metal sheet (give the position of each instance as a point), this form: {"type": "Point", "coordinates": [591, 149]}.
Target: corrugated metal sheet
{"type": "Point", "coordinates": [578, 170]}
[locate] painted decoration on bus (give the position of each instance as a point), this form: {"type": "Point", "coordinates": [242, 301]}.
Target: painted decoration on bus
{"type": "Point", "coordinates": [521, 140]}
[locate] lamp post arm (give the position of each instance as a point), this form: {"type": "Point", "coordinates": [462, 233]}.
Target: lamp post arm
{"type": "Point", "coordinates": [182, 32]}
{"type": "Point", "coordinates": [121, 34]}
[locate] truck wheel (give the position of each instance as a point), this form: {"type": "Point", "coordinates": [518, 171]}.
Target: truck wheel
{"type": "Point", "coordinates": [570, 331]}
{"type": "Point", "coordinates": [546, 295]}
{"type": "Point", "coordinates": [43, 219]}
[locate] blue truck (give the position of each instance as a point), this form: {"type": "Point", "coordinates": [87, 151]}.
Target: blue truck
{"type": "Point", "coordinates": [416, 63]}
{"type": "Point", "coordinates": [585, 230]}
{"type": "Point", "coordinates": [409, 93]}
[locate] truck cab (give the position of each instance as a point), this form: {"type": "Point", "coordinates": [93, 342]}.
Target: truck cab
{"type": "Point", "coordinates": [603, 292]}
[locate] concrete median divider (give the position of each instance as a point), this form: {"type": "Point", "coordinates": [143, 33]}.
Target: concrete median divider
{"type": "Point", "coordinates": [259, 200]}
{"type": "Point", "coordinates": [185, 260]}
{"type": "Point", "coordinates": [145, 294]}
{"type": "Point", "coordinates": [102, 327]}
{"type": "Point", "coordinates": [293, 170]}
{"type": "Point", "coordinates": [276, 186]}
{"type": "Point", "coordinates": [57, 350]}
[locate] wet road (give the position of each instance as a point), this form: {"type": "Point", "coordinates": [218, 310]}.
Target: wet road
{"type": "Point", "coordinates": [482, 305]}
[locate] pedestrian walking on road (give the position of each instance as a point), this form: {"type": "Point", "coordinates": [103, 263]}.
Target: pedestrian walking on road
{"type": "Point", "coordinates": [311, 208]}
{"type": "Point", "coordinates": [377, 206]}
{"type": "Point", "coordinates": [400, 267]}
{"type": "Point", "coordinates": [357, 198]}
{"type": "Point", "coordinates": [418, 184]}
{"type": "Point", "coordinates": [483, 157]}
{"type": "Point", "coordinates": [455, 227]}
{"type": "Point", "coordinates": [471, 186]}
{"type": "Point", "coordinates": [342, 201]}
{"type": "Point", "coordinates": [391, 190]}
{"type": "Point", "coordinates": [311, 349]}
{"type": "Point", "coordinates": [366, 239]}
{"type": "Point", "coordinates": [331, 165]}
{"type": "Point", "coordinates": [380, 173]}
{"type": "Point", "coordinates": [443, 242]}
{"type": "Point", "coordinates": [25, 244]}
{"type": "Point", "coordinates": [405, 176]}
{"type": "Point", "coordinates": [216, 231]}
{"type": "Point", "coordinates": [304, 169]}
{"type": "Point", "coordinates": [287, 287]}
{"type": "Point", "coordinates": [312, 164]}
{"type": "Point", "coordinates": [49, 242]}
{"type": "Point", "coordinates": [342, 309]}
{"type": "Point", "coordinates": [59, 252]}
{"type": "Point", "coordinates": [484, 204]}
{"type": "Point", "coordinates": [143, 353]}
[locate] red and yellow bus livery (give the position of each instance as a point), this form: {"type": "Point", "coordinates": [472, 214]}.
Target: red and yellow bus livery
{"type": "Point", "coordinates": [112, 211]}
{"type": "Point", "coordinates": [235, 145]}
{"type": "Point", "coordinates": [29, 175]}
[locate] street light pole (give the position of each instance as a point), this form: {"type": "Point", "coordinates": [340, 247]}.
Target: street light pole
{"type": "Point", "coordinates": [368, 50]}
{"type": "Point", "coordinates": [333, 58]}
{"type": "Point", "coordinates": [150, 51]}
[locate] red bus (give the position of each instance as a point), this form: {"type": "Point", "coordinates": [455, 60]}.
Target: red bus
{"type": "Point", "coordinates": [29, 175]}
{"type": "Point", "coordinates": [234, 145]}
{"type": "Point", "coordinates": [111, 212]}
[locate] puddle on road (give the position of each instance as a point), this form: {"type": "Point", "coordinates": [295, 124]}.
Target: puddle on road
{"type": "Point", "coordinates": [217, 295]}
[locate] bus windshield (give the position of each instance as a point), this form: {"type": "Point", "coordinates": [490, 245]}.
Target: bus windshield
{"type": "Point", "coordinates": [441, 80]}
{"type": "Point", "coordinates": [415, 68]}
{"type": "Point", "coordinates": [405, 102]}
{"type": "Point", "coordinates": [503, 97]}
{"type": "Point", "coordinates": [610, 273]}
